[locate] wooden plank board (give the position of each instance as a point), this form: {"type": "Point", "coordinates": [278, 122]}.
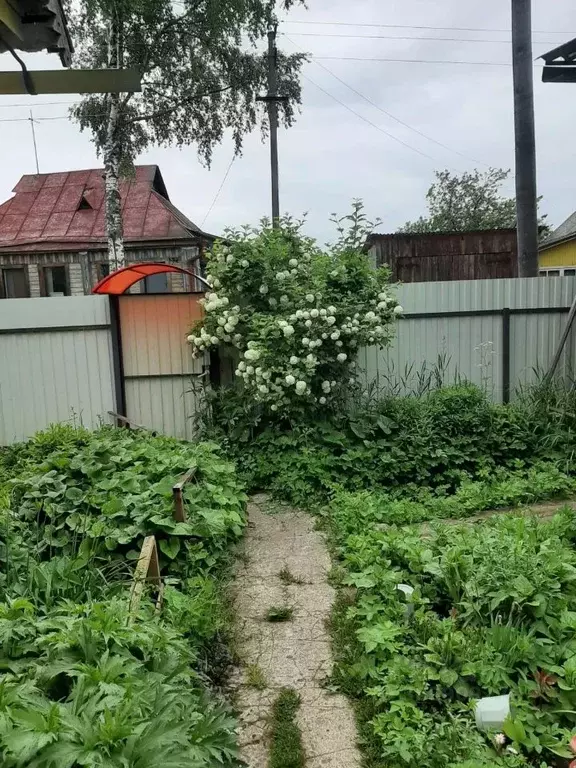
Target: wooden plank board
{"type": "Point", "coordinates": [73, 81]}
{"type": "Point", "coordinates": [147, 570]}
{"type": "Point", "coordinates": [11, 19]}
{"type": "Point", "coordinates": [126, 421]}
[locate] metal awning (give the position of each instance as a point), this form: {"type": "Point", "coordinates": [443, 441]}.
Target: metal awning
{"type": "Point", "coordinates": [35, 25]}
{"type": "Point", "coordinates": [120, 281]}
{"type": "Point", "coordinates": [560, 64]}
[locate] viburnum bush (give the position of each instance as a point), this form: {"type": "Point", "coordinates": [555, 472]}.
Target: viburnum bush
{"type": "Point", "coordinates": [297, 314]}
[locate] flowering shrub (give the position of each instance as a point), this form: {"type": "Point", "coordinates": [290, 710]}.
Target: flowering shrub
{"type": "Point", "coordinates": [296, 314]}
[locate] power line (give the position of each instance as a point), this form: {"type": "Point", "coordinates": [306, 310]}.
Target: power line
{"type": "Point", "coordinates": [220, 188]}
{"type": "Point", "coordinates": [414, 37]}
{"type": "Point", "coordinates": [385, 112]}
{"type": "Point", "coordinates": [366, 120]}
{"type": "Point", "coordinates": [419, 61]}
{"type": "Point", "coordinates": [31, 118]}
{"type": "Point", "coordinates": [43, 119]}
{"type": "Point", "coordinates": [414, 26]}
{"type": "Point", "coordinates": [397, 119]}
{"type": "Point", "coordinates": [35, 105]}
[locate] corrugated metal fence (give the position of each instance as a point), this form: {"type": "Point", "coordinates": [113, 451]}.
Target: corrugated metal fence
{"type": "Point", "coordinates": [158, 366]}
{"type": "Point", "coordinates": [55, 363]}
{"type": "Point", "coordinates": [496, 333]}
{"type": "Point", "coordinates": [76, 359]}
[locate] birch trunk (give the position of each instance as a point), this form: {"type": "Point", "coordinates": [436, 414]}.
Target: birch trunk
{"type": "Point", "coordinates": [112, 157]}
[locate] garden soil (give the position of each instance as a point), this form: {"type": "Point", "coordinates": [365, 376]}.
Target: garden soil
{"type": "Point", "coordinates": [295, 653]}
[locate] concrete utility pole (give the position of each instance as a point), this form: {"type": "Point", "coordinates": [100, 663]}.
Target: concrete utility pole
{"type": "Point", "coordinates": [526, 205]}
{"type": "Point", "coordinates": [272, 100]}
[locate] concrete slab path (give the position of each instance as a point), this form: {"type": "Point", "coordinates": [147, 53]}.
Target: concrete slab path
{"type": "Point", "coordinates": [296, 653]}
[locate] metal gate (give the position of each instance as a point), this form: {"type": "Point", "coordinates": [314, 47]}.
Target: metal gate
{"type": "Point", "coordinates": [156, 366]}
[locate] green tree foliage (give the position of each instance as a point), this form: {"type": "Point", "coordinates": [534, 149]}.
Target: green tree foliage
{"type": "Point", "coordinates": [201, 74]}
{"type": "Point", "coordinates": [465, 203]}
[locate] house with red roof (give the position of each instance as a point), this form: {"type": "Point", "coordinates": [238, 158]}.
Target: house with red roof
{"type": "Point", "coordinates": [53, 238]}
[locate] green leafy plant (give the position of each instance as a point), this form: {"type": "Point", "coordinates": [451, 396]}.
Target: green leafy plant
{"type": "Point", "coordinates": [491, 611]}
{"type": "Point", "coordinates": [435, 441]}
{"type": "Point", "coordinates": [512, 488]}
{"type": "Point", "coordinates": [86, 681]}
{"type": "Point", "coordinates": [113, 491]}
{"type": "Point", "coordinates": [83, 686]}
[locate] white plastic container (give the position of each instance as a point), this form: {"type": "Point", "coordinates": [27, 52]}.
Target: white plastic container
{"type": "Point", "coordinates": [407, 591]}
{"type": "Point", "coordinates": [491, 712]}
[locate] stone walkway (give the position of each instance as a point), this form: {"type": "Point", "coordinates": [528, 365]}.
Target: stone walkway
{"type": "Point", "coordinates": [295, 653]}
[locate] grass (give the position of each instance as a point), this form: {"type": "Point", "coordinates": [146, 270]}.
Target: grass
{"type": "Point", "coordinates": [255, 677]}
{"type": "Point", "coordinates": [287, 577]}
{"type": "Point", "coordinates": [286, 750]}
{"type": "Point", "coordinates": [279, 613]}
{"type": "Point", "coordinates": [346, 651]}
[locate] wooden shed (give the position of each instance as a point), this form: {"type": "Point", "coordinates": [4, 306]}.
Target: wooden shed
{"type": "Point", "coordinates": [420, 258]}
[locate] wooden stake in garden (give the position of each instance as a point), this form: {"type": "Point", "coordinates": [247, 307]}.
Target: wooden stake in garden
{"type": "Point", "coordinates": [147, 571]}
{"type": "Point", "coordinates": [179, 511]}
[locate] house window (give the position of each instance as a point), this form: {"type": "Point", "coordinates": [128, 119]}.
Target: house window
{"type": "Point", "coordinates": [14, 283]}
{"type": "Point", "coordinates": [55, 281]}
{"type": "Point", "coordinates": [156, 283]}
{"type": "Point", "coordinates": [558, 272]}
{"type": "Point", "coordinates": [103, 269]}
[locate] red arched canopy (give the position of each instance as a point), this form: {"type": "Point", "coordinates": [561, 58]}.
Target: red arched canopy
{"type": "Point", "coordinates": [119, 282]}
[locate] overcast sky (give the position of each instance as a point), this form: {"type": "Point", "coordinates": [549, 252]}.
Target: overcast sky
{"type": "Point", "coordinates": [332, 155]}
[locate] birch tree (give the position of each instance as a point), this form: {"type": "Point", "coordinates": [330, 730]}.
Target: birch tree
{"type": "Point", "coordinates": [201, 71]}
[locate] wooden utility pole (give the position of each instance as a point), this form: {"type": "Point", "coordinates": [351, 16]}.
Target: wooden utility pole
{"type": "Point", "coordinates": [272, 98]}
{"type": "Point", "coordinates": [526, 196]}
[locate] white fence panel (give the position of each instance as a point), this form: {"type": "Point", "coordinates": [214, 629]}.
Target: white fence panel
{"type": "Point", "coordinates": [55, 364]}
{"type": "Point", "coordinates": [462, 325]}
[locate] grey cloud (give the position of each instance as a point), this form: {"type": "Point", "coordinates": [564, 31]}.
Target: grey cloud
{"type": "Point", "coordinates": [331, 156]}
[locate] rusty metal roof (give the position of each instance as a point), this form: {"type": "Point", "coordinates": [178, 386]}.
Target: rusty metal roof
{"type": "Point", "coordinates": [65, 211]}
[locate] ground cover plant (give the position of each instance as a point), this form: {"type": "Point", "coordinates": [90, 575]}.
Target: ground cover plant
{"type": "Point", "coordinates": [492, 612]}
{"type": "Point", "coordinates": [84, 681]}
{"type": "Point", "coordinates": [116, 488]}
{"type": "Point", "coordinates": [352, 512]}
{"type": "Point", "coordinates": [438, 440]}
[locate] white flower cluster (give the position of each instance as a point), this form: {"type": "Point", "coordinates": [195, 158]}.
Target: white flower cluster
{"type": "Point", "coordinates": [294, 346]}
{"type": "Point", "coordinates": [226, 321]}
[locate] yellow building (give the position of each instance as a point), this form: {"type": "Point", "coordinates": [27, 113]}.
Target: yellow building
{"type": "Point", "coordinates": [558, 252]}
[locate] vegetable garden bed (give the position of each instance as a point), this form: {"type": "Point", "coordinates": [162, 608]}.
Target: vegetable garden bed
{"type": "Point", "coordinates": [493, 611]}
{"type": "Point", "coordinates": [85, 680]}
